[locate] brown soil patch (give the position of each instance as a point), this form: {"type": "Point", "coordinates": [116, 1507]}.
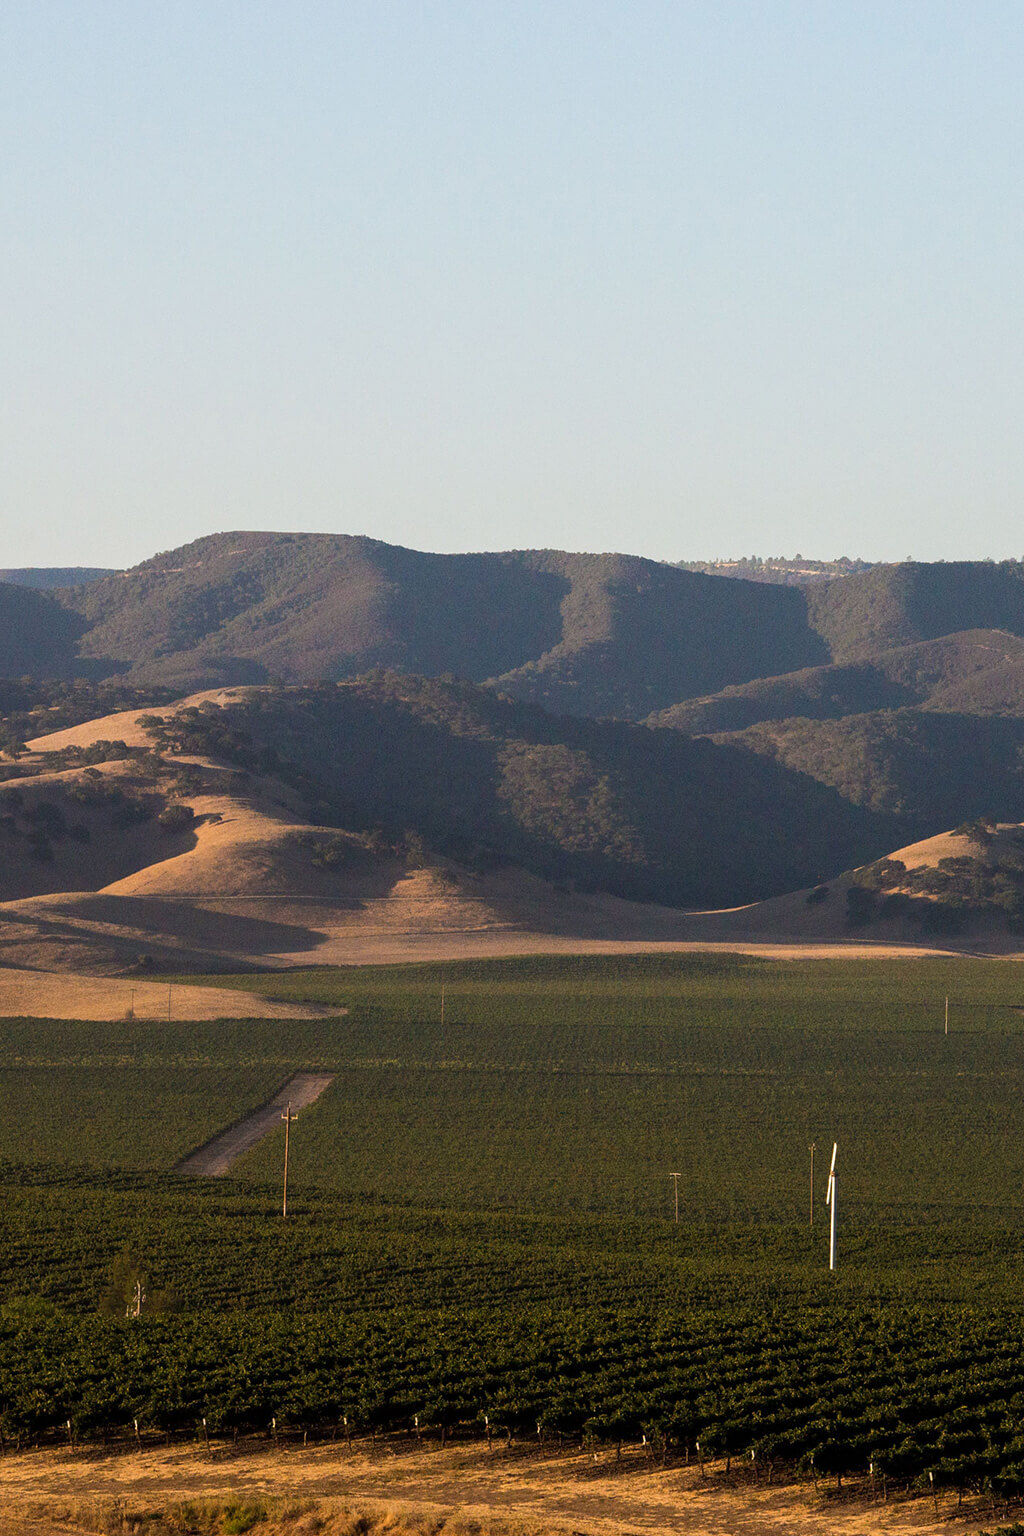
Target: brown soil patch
{"type": "Point", "coordinates": [328, 1488]}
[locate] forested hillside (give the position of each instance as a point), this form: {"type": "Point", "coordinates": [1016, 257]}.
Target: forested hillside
{"type": "Point", "coordinates": [646, 814]}
{"type": "Point", "coordinates": [931, 770]}
{"type": "Point", "coordinates": [582, 634]}
{"type": "Point", "coordinates": [37, 636]}
{"type": "Point", "coordinates": [893, 605]}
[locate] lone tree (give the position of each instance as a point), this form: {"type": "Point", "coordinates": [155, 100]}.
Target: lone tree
{"type": "Point", "coordinates": [128, 1292]}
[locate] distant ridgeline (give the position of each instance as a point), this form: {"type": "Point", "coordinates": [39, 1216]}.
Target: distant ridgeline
{"type": "Point", "coordinates": [896, 691]}
{"type": "Point", "coordinates": [44, 576]}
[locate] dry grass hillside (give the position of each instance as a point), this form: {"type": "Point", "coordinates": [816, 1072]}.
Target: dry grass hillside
{"type": "Point", "coordinates": [245, 880]}
{"type": "Point", "coordinates": [122, 862]}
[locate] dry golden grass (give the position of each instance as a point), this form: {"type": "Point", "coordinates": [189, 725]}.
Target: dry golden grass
{"type": "Point", "coordinates": [456, 1492]}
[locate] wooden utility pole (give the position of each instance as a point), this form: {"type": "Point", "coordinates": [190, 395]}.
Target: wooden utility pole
{"type": "Point", "coordinates": [675, 1176]}
{"type": "Point", "coordinates": [288, 1118]}
{"type": "Point", "coordinates": [812, 1150]}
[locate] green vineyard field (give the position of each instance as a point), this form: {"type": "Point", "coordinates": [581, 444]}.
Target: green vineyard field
{"type": "Point", "coordinates": [481, 1214]}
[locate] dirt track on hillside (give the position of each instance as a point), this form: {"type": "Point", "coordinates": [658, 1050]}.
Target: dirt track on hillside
{"type": "Point", "coordinates": [328, 1487]}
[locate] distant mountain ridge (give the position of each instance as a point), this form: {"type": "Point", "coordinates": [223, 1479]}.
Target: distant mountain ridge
{"type": "Point", "coordinates": [45, 577]}
{"type": "Point", "coordinates": [580, 634]}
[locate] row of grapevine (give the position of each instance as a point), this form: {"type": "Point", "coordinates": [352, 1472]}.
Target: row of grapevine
{"type": "Point", "coordinates": [907, 1391]}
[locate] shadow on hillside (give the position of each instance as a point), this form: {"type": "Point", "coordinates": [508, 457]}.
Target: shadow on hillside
{"type": "Point", "coordinates": [128, 921]}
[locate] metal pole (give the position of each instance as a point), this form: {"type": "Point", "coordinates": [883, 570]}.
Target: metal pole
{"type": "Point", "coordinates": [832, 1224]}
{"type": "Point", "coordinates": [675, 1176]}
{"type": "Point", "coordinates": [812, 1149]}
{"type": "Point", "coordinates": [947, 1015]}
{"type": "Point", "coordinates": [287, 1118]}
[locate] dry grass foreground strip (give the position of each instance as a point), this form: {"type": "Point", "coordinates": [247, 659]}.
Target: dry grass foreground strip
{"type": "Point", "coordinates": [45, 995]}
{"type": "Point", "coordinates": [360, 1491]}
{"type": "Point", "coordinates": [224, 1149]}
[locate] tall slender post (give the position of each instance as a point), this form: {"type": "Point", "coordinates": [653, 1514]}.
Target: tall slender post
{"type": "Point", "coordinates": [812, 1149]}
{"type": "Point", "coordinates": [675, 1177]}
{"type": "Point", "coordinates": [947, 1015]}
{"type": "Point", "coordinates": [287, 1117]}
{"type": "Point", "coordinates": [832, 1257]}
{"type": "Point", "coordinates": [442, 1007]}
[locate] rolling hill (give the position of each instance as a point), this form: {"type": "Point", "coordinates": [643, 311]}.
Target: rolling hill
{"type": "Point", "coordinates": [491, 782]}
{"type": "Point", "coordinates": [216, 834]}
{"type": "Point", "coordinates": [895, 605]}
{"type": "Point", "coordinates": [833, 719]}
{"type": "Point", "coordinates": [582, 634]}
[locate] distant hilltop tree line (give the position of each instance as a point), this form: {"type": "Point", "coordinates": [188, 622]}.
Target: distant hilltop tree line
{"type": "Point", "coordinates": [779, 570]}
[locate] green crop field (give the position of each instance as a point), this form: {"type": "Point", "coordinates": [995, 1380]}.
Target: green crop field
{"type": "Point", "coordinates": [482, 1214]}
{"type": "Point", "coordinates": [578, 1085]}
{"type": "Point", "coordinates": [128, 1095]}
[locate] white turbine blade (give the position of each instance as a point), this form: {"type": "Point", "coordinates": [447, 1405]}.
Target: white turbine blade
{"type": "Point", "coordinates": [828, 1192]}
{"type": "Point", "coordinates": [832, 1169]}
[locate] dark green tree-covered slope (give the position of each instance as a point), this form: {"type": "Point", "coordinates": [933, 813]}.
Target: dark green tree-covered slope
{"type": "Point", "coordinates": [582, 634]}
{"type": "Point", "coordinates": [893, 605]}
{"type": "Point", "coordinates": [929, 769]}
{"type": "Point", "coordinates": [37, 636]}
{"type": "Point", "coordinates": [601, 635]}
{"type": "Point", "coordinates": [484, 779]}
{"type": "Point", "coordinates": [978, 672]}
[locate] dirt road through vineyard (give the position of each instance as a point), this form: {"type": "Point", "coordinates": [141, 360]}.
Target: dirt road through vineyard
{"type": "Point", "coordinates": [221, 1151]}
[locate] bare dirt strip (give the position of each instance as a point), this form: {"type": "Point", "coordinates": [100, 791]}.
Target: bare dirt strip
{"type": "Point", "coordinates": [339, 1491]}
{"type": "Point", "coordinates": [224, 1149]}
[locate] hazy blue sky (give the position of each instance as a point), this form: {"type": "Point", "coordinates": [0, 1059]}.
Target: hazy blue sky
{"type": "Point", "coordinates": [677, 278]}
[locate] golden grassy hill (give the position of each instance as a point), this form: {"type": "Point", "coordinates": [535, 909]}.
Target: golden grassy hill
{"type": "Point", "coordinates": [245, 881]}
